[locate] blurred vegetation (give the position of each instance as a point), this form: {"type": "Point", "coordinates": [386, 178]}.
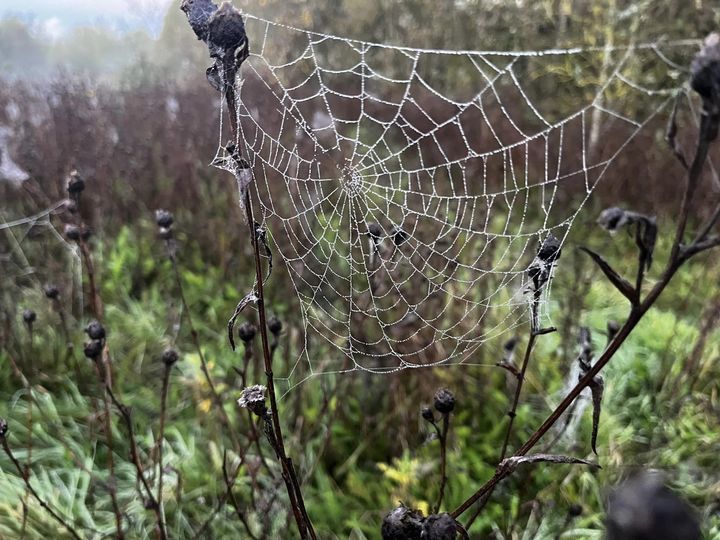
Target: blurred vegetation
{"type": "Point", "coordinates": [135, 114]}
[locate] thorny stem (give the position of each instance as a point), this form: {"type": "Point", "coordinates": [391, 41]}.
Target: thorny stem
{"type": "Point", "coordinates": [26, 478]}
{"type": "Point", "coordinates": [126, 415]}
{"type": "Point", "coordinates": [104, 384]}
{"type": "Point", "coordinates": [678, 256]}
{"type": "Point", "coordinates": [161, 437]}
{"type": "Point", "coordinates": [442, 435]}
{"type": "Point", "coordinates": [203, 363]}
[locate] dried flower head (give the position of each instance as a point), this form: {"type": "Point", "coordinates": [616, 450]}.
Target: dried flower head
{"type": "Point", "coordinates": [246, 332]}
{"type": "Point", "coordinates": [3, 428]}
{"type": "Point", "coordinates": [198, 12]}
{"type": "Point", "coordinates": [169, 357]}
{"type": "Point", "coordinates": [402, 523]}
{"type": "Point", "coordinates": [253, 399]}
{"type": "Point", "coordinates": [549, 251]}
{"type": "Point", "coordinates": [439, 527]}
{"type": "Point", "coordinates": [275, 325]}
{"type": "Point", "coordinates": [444, 401]}
{"type": "Point", "coordinates": [29, 317]}
{"type": "Point", "coordinates": [51, 291]}
{"type": "Point", "coordinates": [705, 69]}
{"type": "Point", "coordinates": [72, 232]}
{"type": "Point", "coordinates": [427, 414]}
{"type": "Point", "coordinates": [163, 218]}
{"type": "Point", "coordinates": [375, 232]}
{"type": "Point", "coordinates": [75, 184]}
{"type": "Point", "coordinates": [93, 349]}
{"type": "Point", "coordinates": [95, 330]}
{"type": "Point", "coordinates": [226, 28]}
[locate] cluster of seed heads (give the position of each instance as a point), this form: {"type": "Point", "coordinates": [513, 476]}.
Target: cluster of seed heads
{"type": "Point", "coordinates": [93, 348]}
{"type": "Point", "coordinates": [444, 403]}
{"type": "Point", "coordinates": [404, 523]}
{"type": "Point", "coordinates": [51, 291]}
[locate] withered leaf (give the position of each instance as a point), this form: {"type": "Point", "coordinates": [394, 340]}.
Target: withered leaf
{"type": "Point", "coordinates": [596, 387]}
{"type": "Point", "coordinates": [512, 463]}
{"type": "Point", "coordinates": [250, 298]}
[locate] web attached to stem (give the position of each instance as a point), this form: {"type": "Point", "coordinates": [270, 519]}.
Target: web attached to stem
{"type": "Point", "coordinates": [407, 190]}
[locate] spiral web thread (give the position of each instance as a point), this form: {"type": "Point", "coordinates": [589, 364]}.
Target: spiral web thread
{"type": "Point", "coordinates": [464, 175]}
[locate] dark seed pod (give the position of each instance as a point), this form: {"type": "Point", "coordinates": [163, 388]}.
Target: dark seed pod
{"type": "Point", "coordinates": [3, 428]}
{"type": "Point", "coordinates": [163, 218]}
{"type": "Point", "coordinates": [246, 332]}
{"type": "Point", "coordinates": [72, 232]}
{"type": "Point", "coordinates": [375, 232]}
{"type": "Point", "coordinates": [226, 28]}
{"type": "Point", "coordinates": [444, 401]}
{"type": "Point", "coordinates": [399, 236]}
{"type": "Point", "coordinates": [439, 527]}
{"type": "Point", "coordinates": [170, 356]}
{"type": "Point", "coordinates": [427, 414]}
{"type": "Point", "coordinates": [705, 68]}
{"type": "Point", "coordinates": [549, 251]}
{"type": "Point", "coordinates": [510, 344]}
{"type": "Point", "coordinates": [51, 291]}
{"type": "Point", "coordinates": [275, 326]}
{"type": "Point", "coordinates": [95, 330]}
{"type": "Point", "coordinates": [29, 317]}
{"type": "Point", "coordinates": [575, 510]}
{"type": "Point", "coordinates": [253, 399]}
{"type": "Point", "coordinates": [93, 349]}
{"type": "Point", "coordinates": [402, 523]}
{"type": "Point", "coordinates": [75, 183]}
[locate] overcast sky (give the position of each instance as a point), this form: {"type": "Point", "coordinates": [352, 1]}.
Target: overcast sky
{"type": "Point", "coordinates": [59, 16]}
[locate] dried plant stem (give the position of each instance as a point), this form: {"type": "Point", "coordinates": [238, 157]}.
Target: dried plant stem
{"type": "Point", "coordinates": [678, 256]}
{"type": "Point", "coordinates": [126, 415]}
{"type": "Point", "coordinates": [203, 362]}
{"type": "Point", "coordinates": [229, 493]}
{"type": "Point", "coordinates": [442, 435]}
{"type": "Point", "coordinates": [104, 384]}
{"type": "Point", "coordinates": [26, 478]}
{"type": "Point", "coordinates": [95, 301]}
{"type": "Point", "coordinates": [161, 437]}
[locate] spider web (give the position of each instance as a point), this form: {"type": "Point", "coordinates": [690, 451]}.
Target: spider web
{"type": "Point", "coordinates": [407, 190]}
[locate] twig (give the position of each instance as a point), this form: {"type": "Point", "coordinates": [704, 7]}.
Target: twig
{"type": "Point", "coordinates": [442, 435]}
{"type": "Point", "coordinates": [229, 484]}
{"type": "Point", "coordinates": [26, 478]}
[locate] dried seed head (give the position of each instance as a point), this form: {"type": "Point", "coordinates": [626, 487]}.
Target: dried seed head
{"type": "Point", "coordinates": [705, 68]}
{"type": "Point", "coordinates": [72, 232]}
{"type": "Point", "coordinates": [399, 236]}
{"type": "Point", "coordinates": [575, 510]}
{"type": "Point", "coordinates": [246, 332]}
{"type": "Point", "coordinates": [93, 349]}
{"type": "Point", "coordinates": [439, 527]}
{"type": "Point", "coordinates": [29, 317]}
{"type": "Point", "coordinates": [95, 330]}
{"type": "Point", "coordinates": [402, 523]}
{"type": "Point", "coordinates": [375, 232]}
{"type": "Point", "coordinates": [75, 184]}
{"type": "Point", "coordinates": [549, 251]}
{"type": "Point", "coordinates": [3, 428]}
{"type": "Point", "coordinates": [253, 399]}
{"type": "Point", "coordinates": [226, 28]}
{"type": "Point", "coordinates": [444, 401]}
{"type": "Point", "coordinates": [427, 414]}
{"type": "Point", "coordinates": [51, 291]}
{"type": "Point", "coordinates": [611, 219]}
{"type": "Point", "coordinates": [198, 12]}
{"type": "Point", "coordinates": [275, 326]}
{"type": "Point", "coordinates": [169, 357]}
{"type": "Point", "coordinates": [163, 218]}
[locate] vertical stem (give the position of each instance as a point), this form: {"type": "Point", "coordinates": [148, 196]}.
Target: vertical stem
{"type": "Point", "coordinates": [443, 460]}
{"type": "Point", "coordinates": [163, 410]}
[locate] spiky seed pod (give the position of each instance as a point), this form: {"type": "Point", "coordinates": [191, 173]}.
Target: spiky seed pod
{"type": "Point", "coordinates": [402, 523]}
{"type": "Point", "coordinates": [375, 232]}
{"type": "Point", "coordinates": [275, 326]}
{"type": "Point", "coordinates": [169, 357]}
{"type": "Point", "coordinates": [3, 428]}
{"type": "Point", "coordinates": [93, 349]}
{"type": "Point", "coordinates": [444, 401]}
{"type": "Point", "coordinates": [51, 291]}
{"type": "Point", "coordinates": [253, 399]}
{"type": "Point", "coordinates": [29, 317]}
{"type": "Point", "coordinates": [75, 184]}
{"type": "Point", "coordinates": [575, 510]}
{"type": "Point", "coordinates": [72, 232]}
{"type": "Point", "coordinates": [427, 414]}
{"type": "Point", "coordinates": [95, 330]}
{"type": "Point", "coordinates": [163, 218]}
{"type": "Point", "coordinates": [226, 27]}
{"type": "Point", "coordinates": [246, 332]}
{"type": "Point", "coordinates": [705, 68]}
{"type": "Point", "coordinates": [439, 527]}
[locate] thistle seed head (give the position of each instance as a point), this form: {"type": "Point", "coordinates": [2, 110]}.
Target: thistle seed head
{"type": "Point", "coordinates": [246, 332]}
{"type": "Point", "coordinates": [95, 330]}
{"type": "Point", "coordinates": [427, 414]}
{"type": "Point", "coordinates": [163, 218]}
{"type": "Point", "coordinates": [439, 527]}
{"type": "Point", "coordinates": [402, 523]}
{"type": "Point", "coordinates": [549, 250]}
{"type": "Point", "coordinates": [253, 399]}
{"type": "Point", "coordinates": [169, 357]}
{"type": "Point", "coordinates": [51, 291]}
{"type": "Point", "coordinates": [275, 326]}
{"type": "Point", "coordinates": [226, 27]}
{"type": "Point", "coordinates": [29, 317]}
{"type": "Point", "coordinates": [75, 184]}
{"type": "Point", "coordinates": [93, 349]}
